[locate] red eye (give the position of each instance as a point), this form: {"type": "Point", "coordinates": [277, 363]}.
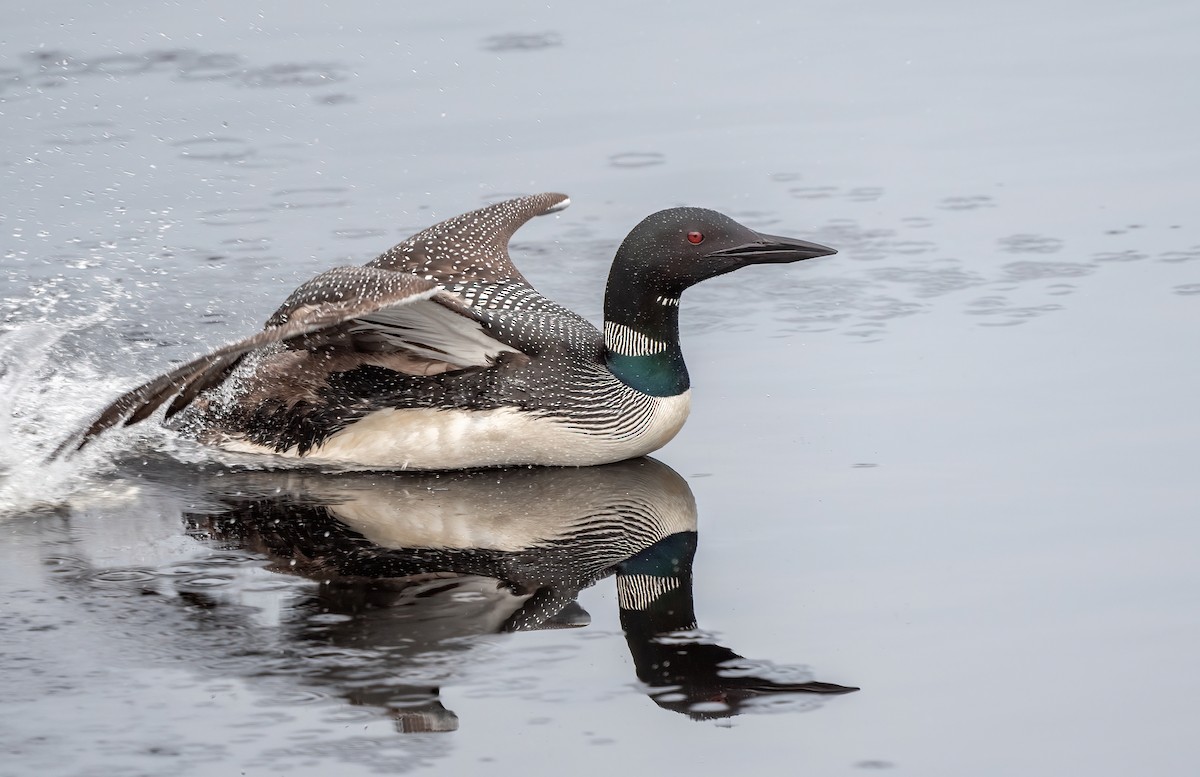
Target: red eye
{"type": "Point", "coordinates": [695, 238]}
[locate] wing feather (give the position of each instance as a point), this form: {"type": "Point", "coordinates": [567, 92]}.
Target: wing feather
{"type": "Point", "coordinates": [347, 306]}
{"type": "Point", "coordinates": [434, 331]}
{"type": "Point", "coordinates": [473, 246]}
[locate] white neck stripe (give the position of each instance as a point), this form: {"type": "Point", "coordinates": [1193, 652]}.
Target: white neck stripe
{"type": "Point", "coordinates": [627, 341]}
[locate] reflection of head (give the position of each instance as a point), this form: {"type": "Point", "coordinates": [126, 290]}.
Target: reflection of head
{"type": "Point", "coordinates": [706, 681]}
{"type": "Point", "coordinates": [685, 671]}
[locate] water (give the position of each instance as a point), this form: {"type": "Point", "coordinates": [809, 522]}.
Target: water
{"type": "Point", "coordinates": [953, 466]}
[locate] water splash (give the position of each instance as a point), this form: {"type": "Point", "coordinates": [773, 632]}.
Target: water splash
{"type": "Point", "coordinates": [46, 395]}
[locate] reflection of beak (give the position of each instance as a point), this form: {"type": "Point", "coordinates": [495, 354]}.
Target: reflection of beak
{"type": "Point", "coordinates": [772, 249]}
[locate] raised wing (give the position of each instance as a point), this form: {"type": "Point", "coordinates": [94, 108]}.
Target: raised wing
{"type": "Point", "coordinates": [361, 308]}
{"type": "Point", "coordinates": [470, 247]}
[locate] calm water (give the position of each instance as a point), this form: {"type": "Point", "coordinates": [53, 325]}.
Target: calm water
{"type": "Point", "coordinates": [955, 466]}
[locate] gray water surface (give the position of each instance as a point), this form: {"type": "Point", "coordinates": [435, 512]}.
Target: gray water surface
{"type": "Point", "coordinates": [955, 465]}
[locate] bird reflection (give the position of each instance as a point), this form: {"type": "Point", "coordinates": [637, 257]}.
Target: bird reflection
{"type": "Point", "coordinates": [409, 565]}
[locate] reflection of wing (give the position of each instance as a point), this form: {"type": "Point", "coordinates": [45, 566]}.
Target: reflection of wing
{"type": "Point", "coordinates": [472, 247]}
{"type": "Point", "coordinates": [367, 310]}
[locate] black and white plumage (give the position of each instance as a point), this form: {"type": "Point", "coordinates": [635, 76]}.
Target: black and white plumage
{"type": "Point", "coordinates": [440, 355]}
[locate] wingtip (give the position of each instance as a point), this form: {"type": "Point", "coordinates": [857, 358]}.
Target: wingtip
{"type": "Point", "coordinates": [560, 205]}
{"type": "Point", "coordinates": [64, 449]}
{"type": "Point", "coordinates": [72, 444]}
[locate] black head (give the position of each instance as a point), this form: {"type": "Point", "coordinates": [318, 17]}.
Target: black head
{"type": "Point", "coordinates": [678, 247]}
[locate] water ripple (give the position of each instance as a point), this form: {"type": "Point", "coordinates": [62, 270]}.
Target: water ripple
{"type": "Point", "coordinates": [55, 68]}
{"type": "Point", "coordinates": [635, 159]}
{"type": "Point", "coordinates": [1185, 255]}
{"type": "Point", "coordinates": [1032, 271]}
{"type": "Point", "coordinates": [121, 576]}
{"type": "Point", "coordinates": [1128, 255]}
{"type": "Point", "coordinates": [315, 197]}
{"type": "Point", "coordinates": [214, 149]}
{"type": "Point", "coordinates": [930, 282]}
{"type": "Point", "coordinates": [812, 192]}
{"type": "Point", "coordinates": [970, 202]}
{"type": "Point", "coordinates": [293, 74]}
{"type": "Point", "coordinates": [522, 41]}
{"type": "Point", "coordinates": [86, 133]}
{"type": "Point", "coordinates": [865, 194]}
{"type": "Point", "coordinates": [1030, 244]}
{"type": "Point", "coordinates": [235, 217]}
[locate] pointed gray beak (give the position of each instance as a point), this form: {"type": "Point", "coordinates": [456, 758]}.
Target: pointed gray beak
{"type": "Point", "coordinates": [773, 249]}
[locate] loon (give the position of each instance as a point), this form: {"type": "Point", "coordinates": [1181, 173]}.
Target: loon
{"type": "Point", "coordinates": [439, 354]}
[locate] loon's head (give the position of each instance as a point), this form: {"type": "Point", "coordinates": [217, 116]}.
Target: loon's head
{"type": "Point", "coordinates": [679, 247]}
